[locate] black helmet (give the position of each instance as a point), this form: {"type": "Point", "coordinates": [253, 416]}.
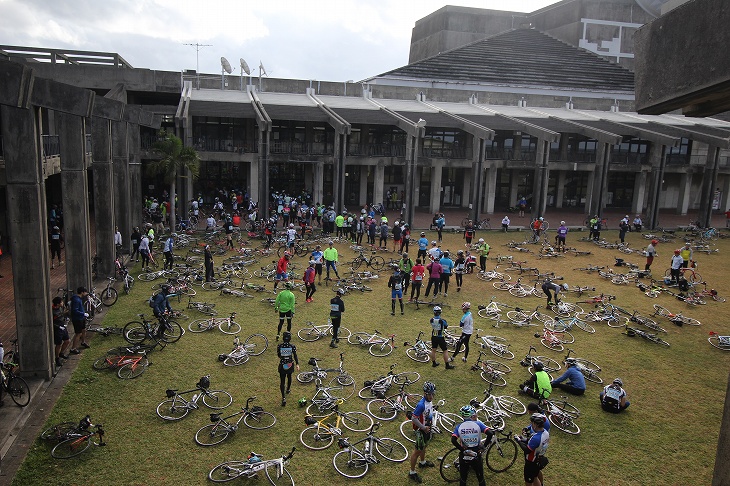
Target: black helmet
{"type": "Point", "coordinates": [538, 366]}
{"type": "Point", "coordinates": [204, 383]}
{"type": "Point", "coordinates": [286, 336]}
{"type": "Point", "coordinates": [166, 288]}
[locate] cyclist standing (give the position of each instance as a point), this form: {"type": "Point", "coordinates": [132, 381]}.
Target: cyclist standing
{"type": "Point", "coordinates": [560, 237]}
{"type": "Point", "coordinates": [675, 265]}
{"type": "Point", "coordinates": [287, 353]}
{"type": "Point", "coordinates": [169, 245]}
{"type": "Point", "coordinates": [438, 325]}
{"type": "Point", "coordinates": [467, 328]}
{"type": "Point", "coordinates": [395, 283]}
{"type": "Point", "coordinates": [651, 253]}
{"type": "Point", "coordinates": [78, 319]}
{"type": "Point", "coordinates": [337, 307]}
{"type": "Point", "coordinates": [467, 438]}
{"type": "Point", "coordinates": [309, 281]}
{"type": "Point", "coordinates": [405, 264]}
{"type": "Point", "coordinates": [447, 266]}
{"type": "Point", "coordinates": [469, 232]}
{"type": "Point", "coordinates": [161, 308]}
{"type": "Point", "coordinates": [421, 419]}
{"type": "Point", "coordinates": [417, 273]}
{"type": "Point", "coordinates": [483, 254]}
{"type": "Point", "coordinates": [534, 447]}
{"type": "Point", "coordinates": [459, 269]}
{"type": "Point", "coordinates": [284, 305]}
{"type": "Point", "coordinates": [422, 247]}
{"type": "Point", "coordinates": [687, 255]}
{"type": "Point", "coordinates": [318, 258]}
{"type": "Point", "coordinates": [330, 259]}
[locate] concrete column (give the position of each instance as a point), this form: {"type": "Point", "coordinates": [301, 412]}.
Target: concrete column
{"type": "Point", "coordinates": [563, 146]}
{"type": "Point", "coordinates": [517, 146]}
{"type": "Point", "coordinates": [28, 237]}
{"type": "Point", "coordinates": [490, 190]}
{"type": "Point", "coordinates": [338, 176]}
{"type": "Point", "coordinates": [317, 190]}
{"type": "Point", "coordinates": [363, 185]}
{"type": "Point", "coordinates": [637, 204]}
{"type": "Point", "coordinates": [436, 172]}
{"type": "Point", "coordinates": [253, 177]}
{"type": "Point", "coordinates": [477, 162]}
{"type": "Point", "coordinates": [709, 183]}
{"type": "Point", "coordinates": [514, 181]}
{"type": "Point", "coordinates": [721, 473]}
{"type": "Point", "coordinates": [263, 163]}
{"type": "Point", "coordinates": [540, 185]}
{"type": "Point", "coordinates": [378, 183]}
{"type": "Point", "coordinates": [725, 198]}
{"type": "Point", "coordinates": [685, 188]}
{"type": "Point", "coordinates": [74, 180]}
{"type": "Point", "coordinates": [103, 195]}
{"type": "Point", "coordinates": [599, 186]}
{"type": "Point", "coordinates": [658, 160]}
{"type": "Point", "coordinates": [135, 177]}
{"type": "Point", "coordinates": [466, 184]}
{"type": "Point", "coordinates": [560, 192]}
{"type": "Point", "coordinates": [120, 154]}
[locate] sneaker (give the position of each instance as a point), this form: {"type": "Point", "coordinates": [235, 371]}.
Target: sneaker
{"type": "Point", "coordinates": [446, 295]}
{"type": "Point", "coordinates": [85, 346]}
{"type": "Point", "coordinates": [392, 313]}
{"type": "Point", "coordinates": [75, 351]}
{"type": "Point", "coordinates": [458, 289]}
{"type": "Point", "coordinates": [277, 337]}
{"type": "Point", "coordinates": [333, 345]}
{"type": "Point", "coordinates": [434, 364]}
{"type": "Point", "coordinates": [464, 359]}
{"type": "Point", "coordinates": [415, 477]}
{"type": "Point", "coordinates": [337, 340]}
{"type": "Point", "coordinates": [451, 359]}
{"type": "Point", "coordinates": [61, 262]}
{"type": "Point", "coordinates": [288, 392]}
{"type": "Point", "coordinates": [283, 402]}
{"type": "Point", "coordinates": [450, 366]}
{"type": "Point", "coordinates": [401, 312]}
{"type": "Point", "coordinates": [426, 464]}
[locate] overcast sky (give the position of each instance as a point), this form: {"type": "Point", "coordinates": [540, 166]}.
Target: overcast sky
{"type": "Point", "coordinates": [333, 40]}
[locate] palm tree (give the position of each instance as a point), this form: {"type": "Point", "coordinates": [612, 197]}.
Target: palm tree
{"type": "Point", "coordinates": [174, 157]}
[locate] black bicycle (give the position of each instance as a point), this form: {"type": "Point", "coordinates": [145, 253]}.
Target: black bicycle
{"type": "Point", "coordinates": [14, 385]}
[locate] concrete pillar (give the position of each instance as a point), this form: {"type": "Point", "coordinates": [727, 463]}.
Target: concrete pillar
{"type": "Point", "coordinates": [379, 183]}
{"type": "Point", "coordinates": [540, 185]}
{"type": "Point", "coordinates": [490, 190]}
{"type": "Point", "coordinates": [477, 163]}
{"type": "Point", "coordinates": [410, 176]}
{"type": "Point", "coordinates": [28, 237]}
{"type": "Point", "coordinates": [517, 146]}
{"type": "Point", "coordinates": [637, 204]}
{"type": "Point", "coordinates": [721, 474]}
{"type": "Point", "coordinates": [563, 146]}
{"type": "Point", "coordinates": [253, 177]}
{"type": "Point", "coordinates": [436, 172]}
{"type": "Point", "coordinates": [685, 189]}
{"type": "Point", "coordinates": [135, 177]}
{"type": "Point", "coordinates": [466, 184]}
{"type": "Point", "coordinates": [120, 154]}
{"type": "Point", "coordinates": [599, 187]}
{"type": "Point", "coordinates": [514, 182]}
{"type": "Point", "coordinates": [263, 163]}
{"type": "Point", "coordinates": [363, 185]}
{"type": "Point", "coordinates": [338, 177]}
{"type": "Point", "coordinates": [709, 183]}
{"type": "Point", "coordinates": [658, 160]}
{"type": "Point", "coordinates": [103, 196]}
{"type": "Point", "coordinates": [317, 190]}
{"type": "Point", "coordinates": [725, 198]}
{"type": "Point", "coordinates": [74, 180]}
{"type": "Point", "coordinates": [560, 192]}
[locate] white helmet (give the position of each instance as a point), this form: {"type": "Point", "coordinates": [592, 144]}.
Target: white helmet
{"type": "Point", "coordinates": [481, 240]}
{"type": "Point", "coordinates": [291, 225]}
{"type": "Point", "coordinates": [562, 222]}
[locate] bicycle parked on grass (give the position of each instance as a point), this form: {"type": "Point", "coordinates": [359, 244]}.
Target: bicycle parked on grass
{"type": "Point", "coordinates": [275, 469]}
{"type": "Point", "coordinates": [382, 384]}
{"type": "Point", "coordinates": [500, 452]}
{"type": "Point", "coordinates": [632, 331]}
{"type": "Point", "coordinates": [493, 410]}
{"type": "Point", "coordinates": [14, 385]}
{"type": "Point", "coordinates": [589, 369]}
{"type": "Point", "coordinates": [130, 361]}
{"type": "Point", "coordinates": [567, 324]}
{"type": "Point", "coordinates": [136, 332]}
{"type": "Point", "coordinates": [490, 370]}
{"type": "Point", "coordinates": [677, 319]}
{"type": "Point", "coordinates": [202, 307]}
{"type": "Point", "coordinates": [176, 406]}
{"type": "Point", "coordinates": [555, 339]}
{"type": "Point", "coordinates": [549, 364]}
{"type": "Point", "coordinates": [376, 262]}
{"type": "Point", "coordinates": [387, 408]}
{"type": "Point", "coordinates": [441, 422]}
{"type": "Point", "coordinates": [343, 378]}
{"type": "Point", "coordinates": [520, 317]}
{"type": "Point", "coordinates": [220, 428]}
{"type": "Point", "coordinates": [226, 325]}
{"type": "Point", "coordinates": [104, 331]}
{"type": "Point", "coordinates": [353, 462]}
{"type": "Point", "coordinates": [254, 345]}
{"type": "Point", "coordinates": [718, 341]}
{"type": "Point", "coordinates": [78, 440]}
{"type": "Point", "coordinates": [313, 332]}
{"type": "Point", "coordinates": [497, 345]}
{"type": "Point", "coordinates": [420, 351]}
{"type": "Point", "coordinates": [562, 414]}
{"type": "Point", "coordinates": [378, 345]}
{"type": "Point", "coordinates": [321, 433]}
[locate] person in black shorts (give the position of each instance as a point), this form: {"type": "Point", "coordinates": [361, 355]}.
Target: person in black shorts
{"type": "Point", "coordinates": [438, 324]}
{"type": "Point", "coordinates": [287, 353]}
{"type": "Point", "coordinates": [337, 307]}
{"type": "Point", "coordinates": [61, 339]}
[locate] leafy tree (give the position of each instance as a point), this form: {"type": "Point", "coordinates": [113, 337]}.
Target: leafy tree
{"type": "Point", "coordinates": [174, 158]}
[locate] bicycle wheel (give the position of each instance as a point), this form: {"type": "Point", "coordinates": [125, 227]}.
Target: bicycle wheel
{"type": "Point", "coordinates": [382, 409]}
{"type": "Point", "coordinates": [366, 393]}
{"type": "Point", "coordinates": [517, 317]}
{"type": "Point", "coordinates": [406, 377]}
{"type": "Point", "coordinates": [338, 390]}
{"type": "Point", "coordinates": [201, 325]}
{"type": "Point", "coordinates": [147, 276]}
{"type": "Point", "coordinates": [615, 320]}
{"type": "Point", "coordinates": [306, 376]}
{"type": "Point", "coordinates": [485, 314]}
{"type": "Point", "coordinates": [109, 296]}
{"type": "Point", "coordinates": [715, 341]}
{"type": "Point", "coordinates": [380, 350]}
{"type": "Point", "coordinates": [212, 285]}
{"type": "Point", "coordinates": [406, 430]}
{"type": "Point", "coordinates": [491, 417]}
{"type": "Point", "coordinates": [173, 332]}
{"type": "Point", "coordinates": [211, 434]}
{"type": "Point", "coordinates": [391, 450]}
{"type": "Point", "coordinates": [356, 263]}
{"type": "Point", "coordinates": [256, 344]}
{"type": "Point", "coordinates": [566, 337]}
{"type": "Point", "coordinates": [517, 292]}
{"type": "Point", "coordinates": [309, 334]}
{"type": "Point", "coordinates": [358, 338]}
{"type": "Point", "coordinates": [217, 399]}
{"type": "Point", "coordinates": [58, 432]}
{"type": "Point", "coordinates": [693, 277]}
{"type": "Point", "coordinates": [238, 359]}
{"type": "Point", "coordinates": [657, 340]}
{"type": "Point", "coordinates": [228, 326]}
{"type": "Point", "coordinates": [553, 345]}
{"type": "Point", "coordinates": [228, 471]}
{"type": "Point", "coordinates": [272, 474]}
{"type": "Point", "coordinates": [134, 332]}
{"type": "Point", "coordinates": [449, 467]}
{"type": "Point", "coordinates": [102, 363]}
{"type": "Point", "coordinates": [172, 409]}
{"type": "Point", "coordinates": [259, 420]}
{"type": "Point", "coordinates": [550, 365]}
{"type": "Point", "coordinates": [418, 356]}
{"type": "Point", "coordinates": [583, 325]}
{"type": "Point", "coordinates": [501, 454]}
{"type": "Point", "coordinates": [690, 321]}
{"type": "Point", "coordinates": [316, 438]}
{"type": "Point", "coordinates": [132, 370]}
{"type": "Point", "coordinates": [71, 447]}
{"type": "Point", "coordinates": [661, 311]}
{"type": "Point", "coordinates": [357, 421]}
{"type": "Point", "coordinates": [565, 423]}
{"type": "Point", "coordinates": [343, 333]}
{"type": "Point", "coordinates": [502, 352]}
{"type": "Point", "coordinates": [377, 262]}
{"type": "Point", "coordinates": [350, 463]}
{"type": "Point", "coordinates": [512, 405]}
{"type": "Point", "coordinates": [568, 409]}
{"type": "Point", "coordinates": [494, 378]}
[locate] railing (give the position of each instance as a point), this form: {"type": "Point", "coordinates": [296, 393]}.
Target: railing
{"type": "Point", "coordinates": [679, 159]}
{"type": "Point", "coordinates": [630, 158]}
{"type": "Point", "coordinates": [386, 150]}
{"type": "Point", "coordinates": [445, 153]}
{"type": "Point", "coordinates": [224, 145]}
{"type": "Point", "coordinates": [51, 145]}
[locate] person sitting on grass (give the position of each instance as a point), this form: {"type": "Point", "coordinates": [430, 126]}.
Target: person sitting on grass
{"type": "Point", "coordinates": [613, 397]}
{"type": "Point", "coordinates": [576, 383]}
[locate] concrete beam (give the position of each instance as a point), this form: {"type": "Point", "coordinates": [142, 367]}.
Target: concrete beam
{"type": "Point", "coordinates": [108, 109]}
{"type": "Point", "coordinates": [17, 82]}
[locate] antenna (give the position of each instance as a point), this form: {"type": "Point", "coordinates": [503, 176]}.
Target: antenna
{"type": "Point", "coordinates": [198, 47]}
{"type": "Point", "coordinates": [225, 68]}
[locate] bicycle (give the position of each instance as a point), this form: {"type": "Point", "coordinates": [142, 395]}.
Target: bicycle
{"type": "Point", "coordinates": [14, 385]}
{"type": "Point", "coordinates": [176, 407]}
{"type": "Point", "coordinates": [718, 341]}
{"type": "Point", "coordinates": [712, 293]}
{"type": "Point", "coordinates": [130, 362]}
{"type": "Point", "coordinates": [387, 408]}
{"type": "Point", "coordinates": [325, 398]}
{"type": "Point", "coordinates": [440, 422]}
{"type": "Point", "coordinates": [562, 414]}
{"type": "Point", "coordinates": [217, 431]}
{"type": "Point", "coordinates": [378, 345]}
{"type": "Point", "coordinates": [567, 324]}
{"type": "Point", "coordinates": [589, 369]}
{"type": "Point", "coordinates": [549, 364]}
{"type": "Point", "coordinates": [491, 371]}
{"type": "Point", "coordinates": [677, 319]}
{"type": "Point", "coordinates": [320, 434]}
{"type": "Point", "coordinates": [646, 322]}
{"type": "Point", "coordinates": [275, 469]}
{"type": "Point", "coordinates": [632, 331]}
{"type": "Point", "coordinates": [352, 462]}
{"type": "Point", "coordinates": [104, 331]}
{"type": "Point", "coordinates": [381, 385]}
{"type": "Point", "coordinates": [555, 339]}
{"type": "Point", "coordinates": [376, 262]}
{"type": "Point", "coordinates": [497, 345]}
{"type": "Point", "coordinates": [492, 311]}
{"type": "Point", "coordinates": [343, 378]}
{"type": "Point", "coordinates": [254, 345]}
{"type": "Point", "coordinates": [566, 309]}
{"type": "Point", "coordinates": [79, 440]}
{"type": "Point", "coordinates": [226, 325]}
{"type": "Point", "coordinates": [202, 307]}
{"type": "Point", "coordinates": [109, 295]}
{"type": "Point", "coordinates": [136, 332]}
{"type": "Point", "coordinates": [520, 318]}
{"type": "Point", "coordinates": [314, 332]}
{"type": "Point", "coordinates": [501, 454]}
{"type": "Point", "coordinates": [495, 409]}
{"type": "Point", "coordinates": [420, 351]}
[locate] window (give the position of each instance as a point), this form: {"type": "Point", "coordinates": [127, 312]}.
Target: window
{"type": "Point", "coordinates": [444, 143]}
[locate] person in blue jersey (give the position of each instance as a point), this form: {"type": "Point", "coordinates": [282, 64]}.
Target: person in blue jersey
{"type": "Point", "coordinates": [395, 284]}
{"type": "Point", "coordinates": [438, 325]}
{"type": "Point", "coordinates": [572, 381]}
{"type": "Point", "coordinates": [467, 437]}
{"type": "Point", "coordinates": [535, 446]}
{"type": "Point", "coordinates": [422, 243]}
{"type": "Point", "coordinates": [447, 267]}
{"type": "Point", "coordinates": [421, 418]}
{"type": "Point", "coordinates": [287, 353]}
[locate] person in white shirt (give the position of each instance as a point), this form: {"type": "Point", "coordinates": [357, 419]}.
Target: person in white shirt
{"type": "Point", "coordinates": [434, 252]}
{"type": "Point", "coordinates": [144, 250]}
{"type": "Point", "coordinates": [505, 223]}
{"type": "Point", "coordinates": [210, 223]}
{"type": "Point", "coordinates": [117, 240]}
{"type": "Point", "coordinates": [677, 262]}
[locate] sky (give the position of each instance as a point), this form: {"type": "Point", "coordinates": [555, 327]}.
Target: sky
{"type": "Point", "coordinates": [326, 40]}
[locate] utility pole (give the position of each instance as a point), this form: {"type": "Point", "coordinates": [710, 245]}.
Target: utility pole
{"type": "Point", "coordinates": [197, 47]}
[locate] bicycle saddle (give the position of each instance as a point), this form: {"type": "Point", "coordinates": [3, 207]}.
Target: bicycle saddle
{"type": "Point", "coordinates": [214, 417]}
{"type": "Point", "coordinates": [170, 393]}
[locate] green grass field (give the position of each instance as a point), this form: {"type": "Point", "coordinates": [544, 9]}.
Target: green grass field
{"type": "Point", "coordinates": [667, 436]}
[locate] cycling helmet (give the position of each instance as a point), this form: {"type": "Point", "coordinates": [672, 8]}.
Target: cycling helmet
{"type": "Point", "coordinates": [302, 402]}
{"type": "Point", "coordinates": [286, 336]}
{"type": "Point", "coordinates": [467, 411]}
{"type": "Point", "coordinates": [291, 225]}
{"type": "Point", "coordinates": [565, 286]}
{"type": "Point", "coordinates": [540, 218]}
{"type": "Point", "coordinates": [654, 242]}
{"type": "Point", "coordinates": [570, 362]}
{"type": "Point", "coordinates": [433, 243]}
{"type": "Point", "coordinates": [481, 240]}
{"type": "Point", "coordinates": [466, 305]}
{"type": "Point", "coordinates": [676, 252]}
{"type": "Point", "coordinates": [166, 288]}
{"type": "Point", "coordinates": [312, 262]}
{"type": "Point", "coordinates": [618, 382]}
{"type": "Point", "coordinates": [538, 365]}
{"type": "Point", "coordinates": [423, 234]}
{"type": "Point", "coordinates": [537, 419]}
{"type": "Point", "coordinates": [204, 383]}
{"type": "Point", "coordinates": [562, 222]}
{"type": "Point", "coordinates": [341, 292]}
{"type": "Point", "coordinates": [287, 285]}
{"type": "Point", "coordinates": [429, 387]}
{"type": "Point", "coordinates": [404, 255]}
{"type": "Point", "coordinates": [460, 252]}
{"type": "Point", "coordinates": [56, 228]}
{"type": "Point", "coordinates": [436, 309]}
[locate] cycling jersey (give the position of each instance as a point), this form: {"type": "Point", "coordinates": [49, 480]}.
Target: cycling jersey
{"type": "Point", "coordinates": [438, 324]}
{"type": "Point", "coordinates": [396, 282]}
{"type": "Point", "coordinates": [446, 265]}
{"type": "Point", "coordinates": [317, 257]}
{"type": "Point", "coordinates": [469, 432]}
{"type": "Point", "coordinates": [287, 353]}
{"type": "Point", "coordinates": [423, 413]}
{"type": "Point", "coordinates": [537, 445]}
{"type": "Point", "coordinates": [337, 307]}
{"type": "Point", "coordinates": [467, 323]}
{"type": "Point", "coordinates": [612, 395]}
{"type": "Point", "coordinates": [422, 244]}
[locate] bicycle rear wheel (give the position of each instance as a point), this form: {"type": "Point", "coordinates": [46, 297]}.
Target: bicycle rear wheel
{"type": "Point", "coordinates": [58, 432]}
{"type": "Point", "coordinates": [309, 334]}
{"type": "Point", "coordinates": [316, 438]}
{"type": "Point", "coordinates": [565, 423]}
{"type": "Point", "coordinates": [501, 455]}
{"type": "Point", "coordinates": [170, 409]}
{"type": "Point", "coordinates": [256, 344]}
{"type": "Point", "coordinates": [407, 377]}
{"type": "Point", "coordinates": [237, 360]}
{"type": "Point", "coordinates": [377, 262]}
{"type": "Point", "coordinates": [272, 474]}
{"type": "Point", "coordinates": [19, 391]}
{"type": "Point", "coordinates": [380, 350]}
{"type": "Point", "coordinates": [133, 370]}
{"type": "Point", "coordinates": [71, 447]}
{"type": "Point", "coordinates": [449, 467]}
{"type": "Point", "coordinates": [494, 378]}
{"type": "Point", "coordinates": [228, 471]}
{"type": "Point", "coordinates": [382, 409]}
{"type": "Point", "coordinates": [553, 345]}
{"type": "Point", "coordinates": [200, 325]}
{"type": "Point", "coordinates": [134, 332]}
{"type": "Point", "coordinates": [109, 296]}
{"type": "Point", "coordinates": [512, 405]}
{"type": "Point", "coordinates": [715, 341]}
{"type": "Point", "coordinates": [211, 434]}
{"type": "Point", "coordinates": [259, 420]}
{"type": "Point", "coordinates": [416, 355]}
{"type": "Point", "coordinates": [228, 326]}
{"type": "Point", "coordinates": [583, 325]}
{"type": "Point", "coordinates": [350, 463]}
{"type": "Point", "coordinates": [357, 421]}
{"type": "Point", "coordinates": [391, 450]}
{"type": "Point", "coordinates": [690, 321]}
{"type": "Point", "coordinates": [102, 363]}
{"type": "Point", "coordinates": [661, 311]}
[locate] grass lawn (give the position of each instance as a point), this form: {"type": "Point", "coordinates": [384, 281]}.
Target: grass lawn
{"type": "Point", "coordinates": [667, 436]}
